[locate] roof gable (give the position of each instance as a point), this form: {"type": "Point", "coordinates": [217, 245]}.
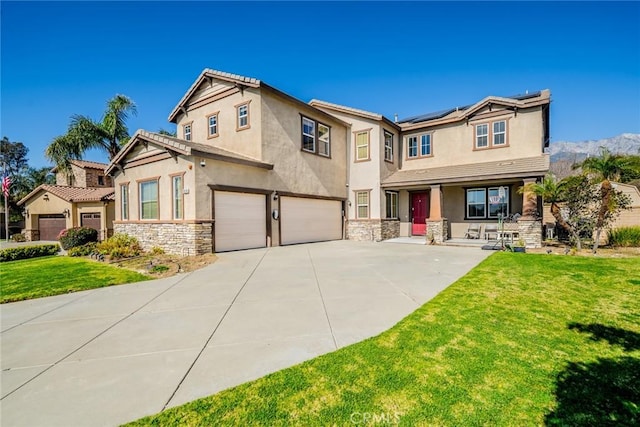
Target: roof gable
{"type": "Point", "coordinates": [73, 194]}
{"type": "Point", "coordinates": [207, 76]}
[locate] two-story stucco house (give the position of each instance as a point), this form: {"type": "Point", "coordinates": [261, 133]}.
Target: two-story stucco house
{"type": "Point", "coordinates": [253, 167]}
{"type": "Point", "coordinates": [82, 197]}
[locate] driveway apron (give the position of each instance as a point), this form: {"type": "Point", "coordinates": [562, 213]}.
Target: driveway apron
{"type": "Point", "coordinates": [112, 355]}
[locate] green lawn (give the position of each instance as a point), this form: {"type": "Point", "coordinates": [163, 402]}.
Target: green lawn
{"type": "Point", "coordinates": [41, 277]}
{"type": "Point", "coordinates": [523, 339]}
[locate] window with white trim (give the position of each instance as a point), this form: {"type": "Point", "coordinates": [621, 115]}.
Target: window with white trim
{"type": "Point", "coordinates": [392, 204]}
{"type": "Point", "coordinates": [500, 132]}
{"type": "Point", "coordinates": [186, 131]}
{"type": "Point", "coordinates": [362, 146]}
{"type": "Point", "coordinates": [482, 135]}
{"type": "Point", "coordinates": [425, 145]}
{"type": "Point", "coordinates": [178, 194]}
{"type": "Point", "coordinates": [487, 202]}
{"type": "Point", "coordinates": [412, 146]}
{"type": "Point", "coordinates": [324, 140]}
{"type": "Point", "coordinates": [124, 201]}
{"type": "Point", "coordinates": [148, 199]}
{"type": "Point", "coordinates": [213, 125]}
{"type": "Point", "coordinates": [308, 135]}
{"type": "Point", "coordinates": [243, 116]}
{"type": "Point", "coordinates": [388, 146]}
{"type": "Point", "coordinates": [362, 204]}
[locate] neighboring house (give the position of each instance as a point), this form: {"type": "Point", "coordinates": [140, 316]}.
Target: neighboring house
{"type": "Point", "coordinates": [253, 167]}
{"type": "Point", "coordinates": [50, 209]}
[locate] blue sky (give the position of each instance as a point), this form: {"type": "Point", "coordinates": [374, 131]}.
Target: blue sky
{"type": "Point", "coordinates": [60, 59]}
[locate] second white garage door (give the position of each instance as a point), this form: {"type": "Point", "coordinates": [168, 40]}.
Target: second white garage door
{"type": "Point", "coordinates": [305, 220]}
{"type": "Point", "coordinates": [240, 221]}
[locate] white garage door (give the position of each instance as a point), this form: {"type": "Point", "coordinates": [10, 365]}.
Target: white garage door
{"type": "Point", "coordinates": [309, 220]}
{"type": "Point", "coordinates": [240, 221]}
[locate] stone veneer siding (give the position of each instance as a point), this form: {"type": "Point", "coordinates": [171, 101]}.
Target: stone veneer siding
{"type": "Point", "coordinates": [373, 229]}
{"type": "Point", "coordinates": [531, 232]}
{"type": "Point", "coordinates": [178, 239]}
{"type": "Point", "coordinates": [31, 235]}
{"type": "Point", "coordinates": [438, 231]}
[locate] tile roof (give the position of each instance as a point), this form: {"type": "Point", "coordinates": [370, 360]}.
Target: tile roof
{"type": "Point", "coordinates": [186, 148]}
{"type": "Point", "coordinates": [74, 194]}
{"type": "Point", "coordinates": [89, 164]}
{"type": "Point", "coordinates": [531, 166]}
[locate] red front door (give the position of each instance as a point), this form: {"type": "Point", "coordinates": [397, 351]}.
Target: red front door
{"type": "Point", "coordinates": [419, 213]}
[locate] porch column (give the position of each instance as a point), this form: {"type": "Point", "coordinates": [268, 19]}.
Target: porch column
{"type": "Point", "coordinates": [529, 202]}
{"type": "Point", "coordinates": [437, 226]}
{"type": "Point", "coordinates": [529, 226]}
{"type": "Point", "coordinates": [435, 205]}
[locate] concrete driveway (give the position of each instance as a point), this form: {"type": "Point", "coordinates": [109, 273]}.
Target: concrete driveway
{"type": "Point", "coordinates": [112, 355]}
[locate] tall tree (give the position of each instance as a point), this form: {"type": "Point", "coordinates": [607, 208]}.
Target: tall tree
{"type": "Point", "coordinates": [84, 133]}
{"type": "Point", "coordinates": [605, 168]}
{"type": "Point", "coordinates": [13, 156]}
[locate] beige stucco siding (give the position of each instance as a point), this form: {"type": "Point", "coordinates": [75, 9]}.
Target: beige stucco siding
{"type": "Point", "coordinates": [297, 171]}
{"type": "Point", "coordinates": [245, 141]}
{"type": "Point", "coordinates": [163, 171]}
{"type": "Point", "coordinates": [454, 144]}
{"type": "Point", "coordinates": [37, 205]}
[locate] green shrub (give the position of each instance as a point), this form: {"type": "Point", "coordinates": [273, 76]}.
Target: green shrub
{"type": "Point", "coordinates": [26, 252]}
{"type": "Point", "coordinates": [157, 269]}
{"type": "Point", "coordinates": [18, 238]}
{"type": "Point", "coordinates": [84, 250]}
{"type": "Point", "coordinates": [625, 236]}
{"type": "Point", "coordinates": [157, 250]}
{"type": "Point", "coordinates": [120, 246]}
{"type": "Point", "coordinates": [77, 236]}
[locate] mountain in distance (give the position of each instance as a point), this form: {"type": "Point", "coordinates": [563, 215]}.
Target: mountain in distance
{"type": "Point", "coordinates": [627, 143]}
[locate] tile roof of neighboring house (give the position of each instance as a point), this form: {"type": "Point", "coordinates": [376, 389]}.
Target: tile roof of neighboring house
{"type": "Point", "coordinates": [186, 148]}
{"type": "Point", "coordinates": [74, 194]}
{"type": "Point", "coordinates": [526, 167]}
{"type": "Point", "coordinates": [350, 110]}
{"type": "Point", "coordinates": [85, 164]}
{"type": "Point", "coordinates": [458, 113]}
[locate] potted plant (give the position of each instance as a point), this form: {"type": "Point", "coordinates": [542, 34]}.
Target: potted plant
{"type": "Point", "coordinates": [519, 246]}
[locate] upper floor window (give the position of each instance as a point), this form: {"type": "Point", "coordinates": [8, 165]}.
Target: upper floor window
{"type": "Point", "coordinates": [419, 146]}
{"type": "Point", "coordinates": [186, 130]}
{"type": "Point", "coordinates": [482, 135]}
{"type": "Point", "coordinates": [362, 146]}
{"type": "Point", "coordinates": [178, 191]}
{"type": "Point", "coordinates": [243, 116]}
{"type": "Point", "coordinates": [323, 139]}
{"type": "Point", "coordinates": [388, 146]}
{"type": "Point", "coordinates": [499, 132]}
{"type": "Point", "coordinates": [148, 199]}
{"type": "Point", "coordinates": [100, 180]}
{"type": "Point", "coordinates": [412, 146]}
{"type": "Point", "coordinates": [493, 134]}
{"type": "Point", "coordinates": [308, 135]}
{"type": "Point", "coordinates": [124, 201]}
{"type": "Point", "coordinates": [362, 204]}
{"type": "Point", "coordinates": [213, 125]}
{"type": "Point", "coordinates": [316, 137]}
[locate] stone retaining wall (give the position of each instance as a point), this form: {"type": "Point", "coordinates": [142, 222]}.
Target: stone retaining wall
{"type": "Point", "coordinates": [374, 230]}
{"type": "Point", "coordinates": [177, 239]}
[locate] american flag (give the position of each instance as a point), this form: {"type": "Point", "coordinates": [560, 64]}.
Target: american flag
{"type": "Point", "coordinates": [6, 183]}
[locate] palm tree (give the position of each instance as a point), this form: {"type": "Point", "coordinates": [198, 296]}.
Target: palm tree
{"type": "Point", "coordinates": [605, 168]}
{"type": "Point", "coordinates": [553, 192]}
{"type": "Point", "coordinates": [84, 133]}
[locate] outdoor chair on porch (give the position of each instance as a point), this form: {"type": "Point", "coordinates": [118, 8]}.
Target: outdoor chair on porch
{"type": "Point", "coordinates": [491, 230]}
{"type": "Point", "coordinates": [473, 232]}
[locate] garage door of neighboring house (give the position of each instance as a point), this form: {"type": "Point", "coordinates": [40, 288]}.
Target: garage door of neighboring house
{"type": "Point", "coordinates": [91, 220]}
{"type": "Point", "coordinates": [50, 226]}
{"type": "Point", "coordinates": [305, 220]}
{"type": "Point", "coordinates": [240, 221]}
